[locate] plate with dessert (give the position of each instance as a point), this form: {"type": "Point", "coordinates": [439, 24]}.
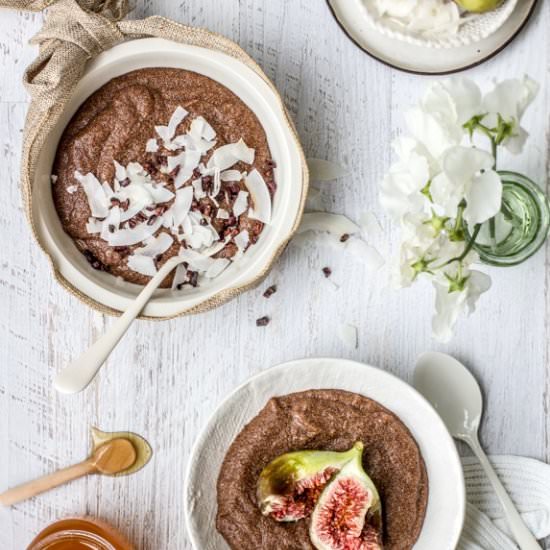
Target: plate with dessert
{"type": "Point", "coordinates": [324, 454]}
{"type": "Point", "coordinates": [168, 149]}
{"type": "Point", "coordinates": [432, 36]}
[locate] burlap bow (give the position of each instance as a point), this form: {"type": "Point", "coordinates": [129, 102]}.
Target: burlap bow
{"type": "Point", "coordinates": [74, 33]}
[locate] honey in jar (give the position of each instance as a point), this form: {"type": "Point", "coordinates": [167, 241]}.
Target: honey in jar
{"type": "Point", "coordinates": [80, 534]}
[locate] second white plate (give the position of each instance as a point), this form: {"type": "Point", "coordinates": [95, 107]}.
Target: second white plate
{"type": "Point", "coordinates": [420, 59]}
{"type": "Point", "coordinates": [446, 504]}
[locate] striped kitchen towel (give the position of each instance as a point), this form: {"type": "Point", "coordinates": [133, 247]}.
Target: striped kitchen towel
{"type": "Point", "coordinates": [528, 483]}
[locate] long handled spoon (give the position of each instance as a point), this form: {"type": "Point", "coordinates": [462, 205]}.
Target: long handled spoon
{"type": "Point", "coordinates": [77, 375]}
{"type": "Point", "coordinates": [111, 458]}
{"type": "Point", "coordinates": [453, 391]}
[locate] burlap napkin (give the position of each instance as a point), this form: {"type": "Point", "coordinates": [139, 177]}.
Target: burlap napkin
{"type": "Point", "coordinates": [75, 32]}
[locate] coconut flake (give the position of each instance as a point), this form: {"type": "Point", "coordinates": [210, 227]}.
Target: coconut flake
{"type": "Point", "coordinates": [217, 267]}
{"type": "Point", "coordinates": [199, 191]}
{"type": "Point", "coordinates": [187, 162]}
{"type": "Point", "coordinates": [261, 198]}
{"type": "Point", "coordinates": [94, 226]}
{"type": "Point", "coordinates": [324, 170]}
{"type": "Point", "coordinates": [167, 132]}
{"type": "Point", "coordinates": [336, 224]}
{"type": "Point", "coordinates": [54, 178]}
{"type": "Point", "coordinates": [222, 214]}
{"type": "Point", "coordinates": [228, 155]}
{"type": "Point", "coordinates": [372, 259]}
{"type": "Point", "coordinates": [180, 276]}
{"type": "Point", "coordinates": [348, 335]}
{"type": "Point", "coordinates": [201, 128]}
{"type": "Point", "coordinates": [145, 265]}
{"type": "Point", "coordinates": [72, 189]}
{"type": "Point", "coordinates": [129, 237]}
{"type": "Point", "coordinates": [195, 260]}
{"type": "Point", "coordinates": [120, 171]}
{"type": "Point", "coordinates": [232, 175]}
{"type": "Point", "coordinates": [242, 240]}
{"type": "Point", "coordinates": [177, 213]}
{"type": "Point", "coordinates": [97, 199]}
{"type": "Point", "coordinates": [155, 246]}
{"type": "Point", "coordinates": [151, 146]}
{"type": "Point", "coordinates": [240, 206]}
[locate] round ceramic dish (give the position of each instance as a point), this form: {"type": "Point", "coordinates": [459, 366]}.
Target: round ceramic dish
{"type": "Point", "coordinates": [475, 28]}
{"type": "Point", "coordinates": [112, 293]}
{"type": "Point", "coordinates": [419, 59]}
{"type": "Point", "coordinates": [446, 504]}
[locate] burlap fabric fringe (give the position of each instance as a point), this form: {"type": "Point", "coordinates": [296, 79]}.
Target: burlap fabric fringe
{"type": "Point", "coordinates": [73, 33]}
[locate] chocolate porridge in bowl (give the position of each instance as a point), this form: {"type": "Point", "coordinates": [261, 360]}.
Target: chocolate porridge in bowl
{"type": "Point", "coordinates": [326, 469]}
{"type": "Point", "coordinates": [162, 162]}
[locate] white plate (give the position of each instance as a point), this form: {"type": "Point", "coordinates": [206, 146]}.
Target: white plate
{"type": "Point", "coordinates": [264, 102]}
{"type": "Point", "coordinates": [422, 59]}
{"type": "Point", "coordinates": [446, 504]}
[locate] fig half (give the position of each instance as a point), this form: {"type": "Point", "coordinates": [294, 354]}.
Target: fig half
{"type": "Point", "coordinates": [348, 514]}
{"type": "Point", "coordinates": [291, 484]}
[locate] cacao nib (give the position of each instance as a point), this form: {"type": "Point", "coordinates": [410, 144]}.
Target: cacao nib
{"type": "Point", "coordinates": [344, 237]}
{"type": "Point", "coordinates": [327, 271]}
{"type": "Point", "coordinates": [263, 321]}
{"type": "Point", "coordinates": [270, 291]}
{"type": "Point", "coordinates": [193, 278]}
{"type": "Point", "coordinates": [94, 262]}
{"type": "Point", "coordinates": [152, 219]}
{"type": "Point", "coordinates": [125, 182]}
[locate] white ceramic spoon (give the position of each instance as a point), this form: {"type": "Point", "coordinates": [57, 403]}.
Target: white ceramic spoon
{"type": "Point", "coordinates": [76, 376]}
{"type": "Point", "coordinates": [453, 391]}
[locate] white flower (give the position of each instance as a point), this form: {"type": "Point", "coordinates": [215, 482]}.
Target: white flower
{"type": "Point", "coordinates": [468, 174]}
{"type": "Point", "coordinates": [456, 99]}
{"type": "Point", "coordinates": [510, 99]}
{"type": "Point", "coordinates": [438, 122]}
{"type": "Point", "coordinates": [402, 185]}
{"type": "Point", "coordinates": [449, 303]}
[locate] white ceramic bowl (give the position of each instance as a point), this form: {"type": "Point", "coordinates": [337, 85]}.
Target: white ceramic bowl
{"type": "Point", "coordinates": [446, 501]}
{"type": "Point", "coordinates": [285, 148]}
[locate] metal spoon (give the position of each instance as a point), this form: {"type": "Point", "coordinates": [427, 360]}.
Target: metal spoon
{"type": "Point", "coordinates": [453, 391]}
{"type": "Point", "coordinates": [111, 458]}
{"type": "Point", "coordinates": [76, 376]}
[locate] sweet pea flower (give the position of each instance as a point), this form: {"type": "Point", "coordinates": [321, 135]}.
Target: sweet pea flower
{"type": "Point", "coordinates": [402, 186]}
{"type": "Point", "coordinates": [508, 101]}
{"type": "Point", "coordinates": [438, 122]}
{"type": "Point", "coordinates": [453, 297]}
{"type": "Point", "coordinates": [468, 174]}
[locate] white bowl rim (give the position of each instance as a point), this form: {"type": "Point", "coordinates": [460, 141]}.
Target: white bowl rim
{"type": "Point", "coordinates": [453, 466]}
{"type": "Point", "coordinates": [99, 288]}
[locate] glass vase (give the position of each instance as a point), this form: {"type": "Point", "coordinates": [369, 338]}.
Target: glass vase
{"type": "Point", "coordinates": [520, 228]}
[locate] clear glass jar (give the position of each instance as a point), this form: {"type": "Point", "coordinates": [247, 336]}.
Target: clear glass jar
{"type": "Point", "coordinates": [520, 228]}
{"type": "Point", "coordinates": [80, 534]}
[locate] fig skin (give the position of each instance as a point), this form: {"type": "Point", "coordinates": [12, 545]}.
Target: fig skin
{"type": "Point", "coordinates": [348, 514]}
{"type": "Point", "coordinates": [288, 482]}
{"type": "Point", "coordinates": [479, 6]}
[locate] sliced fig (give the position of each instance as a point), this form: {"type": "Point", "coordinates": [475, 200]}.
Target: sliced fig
{"type": "Point", "coordinates": [291, 484]}
{"type": "Point", "coordinates": [348, 514]}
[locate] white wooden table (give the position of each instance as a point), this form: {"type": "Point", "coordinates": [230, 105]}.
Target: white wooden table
{"type": "Point", "coordinates": [165, 379]}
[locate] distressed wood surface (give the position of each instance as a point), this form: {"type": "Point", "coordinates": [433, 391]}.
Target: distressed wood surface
{"type": "Point", "coordinates": [165, 379]}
